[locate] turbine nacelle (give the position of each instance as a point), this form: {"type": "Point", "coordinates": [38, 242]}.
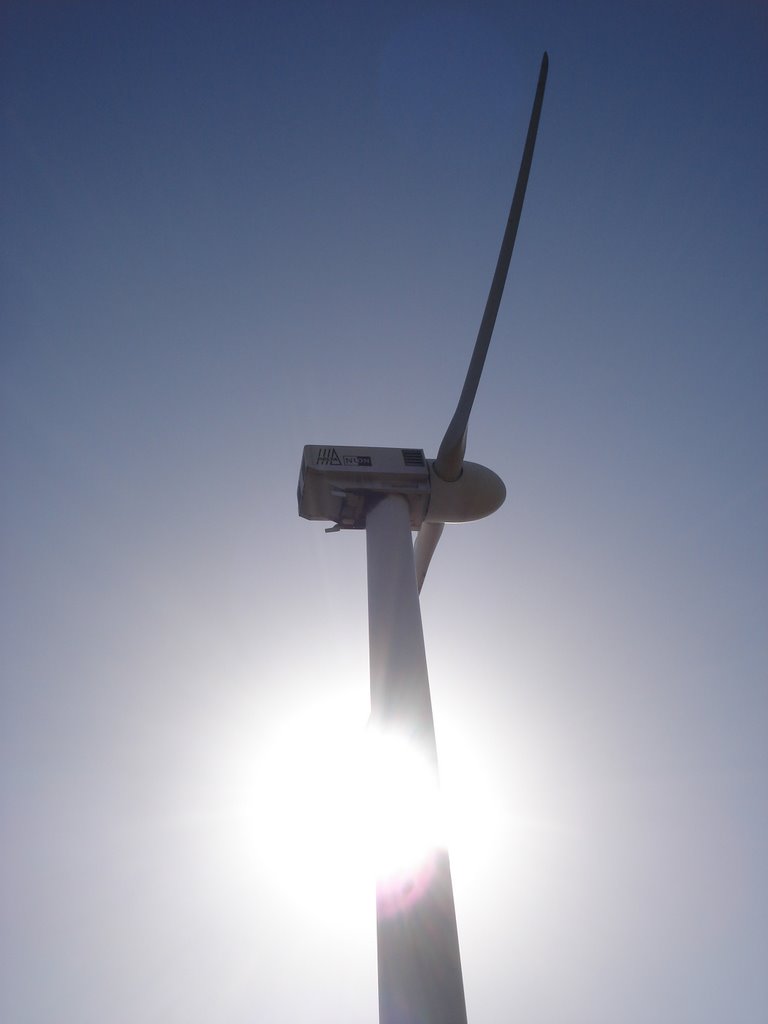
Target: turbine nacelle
{"type": "Point", "coordinates": [341, 484]}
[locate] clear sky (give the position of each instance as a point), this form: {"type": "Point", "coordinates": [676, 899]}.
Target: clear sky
{"type": "Point", "coordinates": [230, 229]}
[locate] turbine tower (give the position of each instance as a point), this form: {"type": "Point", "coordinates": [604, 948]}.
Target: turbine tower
{"type": "Point", "coordinates": [390, 492]}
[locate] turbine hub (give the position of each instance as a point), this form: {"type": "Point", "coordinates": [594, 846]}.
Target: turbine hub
{"type": "Point", "coordinates": [476, 494]}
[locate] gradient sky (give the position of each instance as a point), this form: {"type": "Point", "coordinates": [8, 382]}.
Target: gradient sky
{"type": "Point", "coordinates": [232, 229]}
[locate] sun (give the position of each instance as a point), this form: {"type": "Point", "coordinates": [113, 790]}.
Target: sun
{"type": "Point", "coordinates": [325, 808]}
{"type": "Point", "coordinates": [342, 798]}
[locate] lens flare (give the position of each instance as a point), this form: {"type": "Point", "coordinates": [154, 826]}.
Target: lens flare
{"type": "Point", "coordinates": [404, 827]}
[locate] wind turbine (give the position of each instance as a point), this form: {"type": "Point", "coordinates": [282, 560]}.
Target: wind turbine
{"type": "Point", "coordinates": [389, 492]}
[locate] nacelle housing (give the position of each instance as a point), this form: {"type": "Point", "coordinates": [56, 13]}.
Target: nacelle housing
{"type": "Point", "coordinates": [341, 484]}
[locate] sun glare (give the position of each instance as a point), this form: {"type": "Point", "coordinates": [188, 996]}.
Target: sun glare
{"type": "Point", "coordinates": [327, 806]}
{"type": "Point", "coordinates": [403, 821]}
{"type": "Point", "coordinates": [354, 798]}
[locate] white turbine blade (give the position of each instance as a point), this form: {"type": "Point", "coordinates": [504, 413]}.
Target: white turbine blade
{"type": "Point", "coordinates": [451, 454]}
{"type": "Point", "coordinates": [426, 541]}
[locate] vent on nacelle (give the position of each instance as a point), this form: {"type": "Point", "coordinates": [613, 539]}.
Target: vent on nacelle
{"type": "Point", "coordinates": [413, 456]}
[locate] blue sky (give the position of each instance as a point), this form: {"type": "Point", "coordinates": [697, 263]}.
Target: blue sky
{"type": "Point", "coordinates": [232, 229]}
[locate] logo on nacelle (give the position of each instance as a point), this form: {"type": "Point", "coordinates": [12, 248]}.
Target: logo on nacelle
{"type": "Point", "coordinates": [330, 457]}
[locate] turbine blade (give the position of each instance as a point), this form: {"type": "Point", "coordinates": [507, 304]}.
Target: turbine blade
{"type": "Point", "coordinates": [424, 547]}
{"type": "Point", "coordinates": [451, 454]}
